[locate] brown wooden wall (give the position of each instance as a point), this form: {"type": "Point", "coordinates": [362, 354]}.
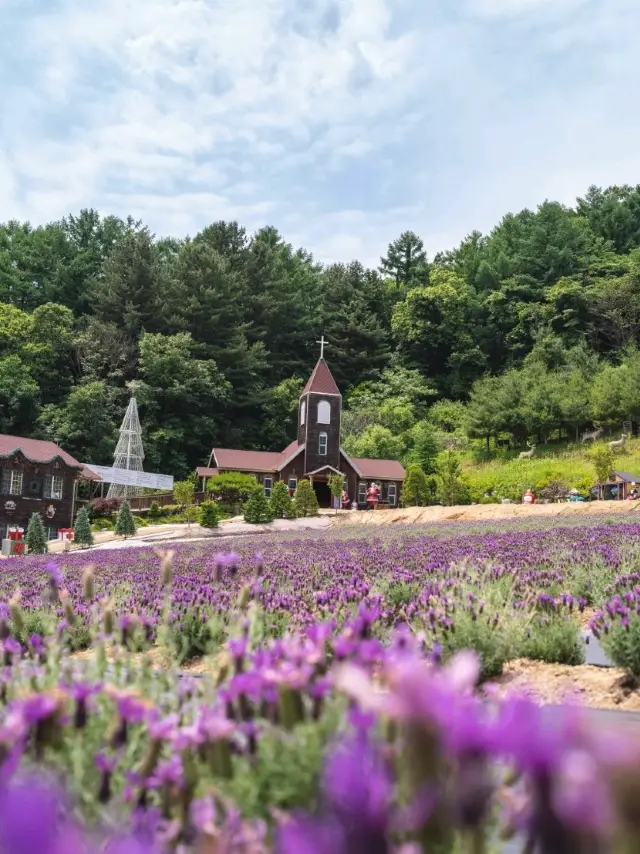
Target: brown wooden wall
{"type": "Point", "coordinates": [313, 459]}
{"type": "Point", "coordinates": [31, 500]}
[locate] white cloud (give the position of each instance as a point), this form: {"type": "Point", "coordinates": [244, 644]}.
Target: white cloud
{"type": "Point", "coordinates": [342, 122]}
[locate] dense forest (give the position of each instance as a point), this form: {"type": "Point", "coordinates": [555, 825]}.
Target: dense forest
{"type": "Point", "coordinates": [528, 332]}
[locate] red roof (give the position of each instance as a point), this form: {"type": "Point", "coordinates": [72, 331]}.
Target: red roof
{"type": "Point", "coordinates": [227, 458]}
{"type": "Point", "coordinates": [291, 448]}
{"type": "Point", "coordinates": [380, 469]}
{"type": "Point", "coordinates": [88, 474]}
{"type": "Point", "coordinates": [321, 381]}
{"type": "Point", "coordinates": [205, 471]}
{"type": "Point", "coordinates": [35, 450]}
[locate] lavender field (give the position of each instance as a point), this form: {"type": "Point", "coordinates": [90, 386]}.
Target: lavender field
{"type": "Point", "coordinates": [340, 711]}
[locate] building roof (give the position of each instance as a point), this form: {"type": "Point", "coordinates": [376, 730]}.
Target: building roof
{"type": "Point", "coordinates": [89, 474]}
{"type": "Point", "coordinates": [380, 469]}
{"type": "Point", "coordinates": [626, 477]}
{"type": "Point", "coordinates": [35, 450]}
{"type": "Point", "coordinates": [206, 471]}
{"type": "Point", "coordinates": [228, 458]}
{"type": "Point", "coordinates": [321, 381]}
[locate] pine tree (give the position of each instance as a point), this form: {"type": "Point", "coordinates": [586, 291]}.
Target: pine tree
{"type": "Point", "coordinates": [257, 511]}
{"type": "Point", "coordinates": [209, 515]}
{"type": "Point", "coordinates": [305, 502]}
{"type": "Point", "coordinates": [154, 512]}
{"type": "Point", "coordinates": [415, 491]}
{"type": "Point", "coordinates": [125, 523]}
{"type": "Point", "coordinates": [36, 538]}
{"type": "Point", "coordinates": [281, 504]}
{"type": "Point", "coordinates": [82, 533]}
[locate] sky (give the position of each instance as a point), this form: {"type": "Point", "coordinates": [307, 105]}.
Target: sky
{"type": "Point", "coordinates": [341, 122]}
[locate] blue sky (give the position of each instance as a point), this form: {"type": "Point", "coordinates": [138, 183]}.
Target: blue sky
{"type": "Point", "coordinates": [341, 122]}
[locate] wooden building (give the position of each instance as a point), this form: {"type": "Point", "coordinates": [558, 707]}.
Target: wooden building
{"type": "Point", "coordinates": [315, 453]}
{"type": "Point", "coordinates": [37, 476]}
{"type": "Point", "coordinates": [617, 488]}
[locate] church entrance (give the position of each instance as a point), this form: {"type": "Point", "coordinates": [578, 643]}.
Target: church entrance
{"type": "Point", "coordinates": [322, 491]}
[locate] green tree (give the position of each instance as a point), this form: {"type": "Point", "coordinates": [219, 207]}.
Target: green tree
{"type": "Point", "coordinates": [423, 446]}
{"type": "Point", "coordinates": [19, 397]}
{"type": "Point", "coordinates": [36, 538]}
{"type": "Point", "coordinates": [452, 489]}
{"type": "Point", "coordinates": [82, 533]}
{"type": "Point", "coordinates": [406, 263]}
{"type": "Point", "coordinates": [257, 511]}
{"type": "Point", "coordinates": [376, 442]}
{"type": "Point", "coordinates": [602, 460]}
{"type": "Point", "coordinates": [181, 398]}
{"type": "Point", "coordinates": [125, 523]}
{"type": "Point", "coordinates": [85, 425]}
{"type": "Point", "coordinates": [281, 504]}
{"type": "Point", "coordinates": [415, 490]}
{"type": "Point", "coordinates": [183, 492]}
{"type": "Point", "coordinates": [336, 487]}
{"type": "Point", "coordinates": [305, 502]}
{"type": "Point", "coordinates": [209, 514]}
{"type": "Point", "coordinates": [154, 512]}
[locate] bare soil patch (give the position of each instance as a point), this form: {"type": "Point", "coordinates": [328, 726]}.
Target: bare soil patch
{"type": "Point", "coordinates": [596, 687]}
{"type": "Point", "coordinates": [483, 513]}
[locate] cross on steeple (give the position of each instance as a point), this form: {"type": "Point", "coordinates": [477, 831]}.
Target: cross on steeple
{"type": "Point", "coordinates": [322, 342]}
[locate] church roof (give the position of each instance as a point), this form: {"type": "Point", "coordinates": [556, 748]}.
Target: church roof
{"type": "Point", "coordinates": [321, 381]}
{"type": "Point", "coordinates": [229, 458]}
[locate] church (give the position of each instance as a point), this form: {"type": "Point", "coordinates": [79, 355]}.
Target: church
{"type": "Point", "coordinates": [315, 453]}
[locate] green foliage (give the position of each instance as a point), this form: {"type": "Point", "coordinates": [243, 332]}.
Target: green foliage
{"type": "Point", "coordinates": [281, 503]}
{"type": "Point", "coordinates": [415, 491]}
{"type": "Point", "coordinates": [125, 523]}
{"type": "Point", "coordinates": [232, 488]}
{"type": "Point", "coordinates": [209, 514]}
{"type": "Point", "coordinates": [554, 638]}
{"type": "Point", "coordinates": [257, 511]}
{"type": "Point", "coordinates": [622, 643]}
{"type": "Point", "coordinates": [491, 643]}
{"type": "Point", "coordinates": [196, 634]}
{"type": "Point", "coordinates": [602, 459]}
{"type": "Point", "coordinates": [82, 534]}
{"type": "Point", "coordinates": [336, 486]}
{"type": "Point", "coordinates": [183, 492]}
{"type": "Point", "coordinates": [154, 511]}
{"type": "Point", "coordinates": [102, 524]}
{"type": "Point", "coordinates": [305, 502]}
{"type": "Point", "coordinates": [451, 489]}
{"type": "Point", "coordinates": [36, 538]}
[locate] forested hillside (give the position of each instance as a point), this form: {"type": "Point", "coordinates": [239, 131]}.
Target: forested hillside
{"type": "Point", "coordinates": [528, 332]}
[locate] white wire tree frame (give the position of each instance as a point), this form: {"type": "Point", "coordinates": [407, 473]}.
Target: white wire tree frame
{"type": "Point", "coordinates": [129, 453]}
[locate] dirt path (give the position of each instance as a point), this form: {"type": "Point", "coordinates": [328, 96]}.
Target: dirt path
{"type": "Point", "coordinates": [485, 513]}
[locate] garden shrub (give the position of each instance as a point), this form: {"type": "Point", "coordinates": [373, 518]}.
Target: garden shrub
{"type": "Point", "coordinates": [154, 512]}
{"type": "Point", "coordinates": [82, 534]}
{"type": "Point", "coordinates": [553, 638]}
{"type": "Point", "coordinates": [488, 638]}
{"type": "Point", "coordinates": [622, 642]}
{"type": "Point", "coordinates": [195, 635]}
{"type": "Point", "coordinates": [209, 514]}
{"type": "Point", "coordinates": [281, 504]}
{"type": "Point", "coordinates": [102, 507]}
{"type": "Point", "coordinates": [140, 522]}
{"type": "Point", "coordinates": [36, 537]}
{"type": "Point", "coordinates": [103, 524]}
{"type": "Point", "coordinates": [257, 511]}
{"type": "Point", "coordinates": [305, 502]}
{"type": "Point", "coordinates": [232, 488]}
{"type": "Point", "coordinates": [125, 523]}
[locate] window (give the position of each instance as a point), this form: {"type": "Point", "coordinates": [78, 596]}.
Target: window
{"type": "Point", "coordinates": [293, 482]}
{"type": "Point", "coordinates": [362, 492]}
{"type": "Point", "coordinates": [391, 494]}
{"type": "Point", "coordinates": [53, 486]}
{"type": "Point", "coordinates": [324, 412]}
{"type": "Point", "coordinates": [322, 444]}
{"type": "Point", "coordinates": [303, 412]}
{"type": "Point", "coordinates": [268, 483]}
{"type": "Point", "coordinates": [11, 482]}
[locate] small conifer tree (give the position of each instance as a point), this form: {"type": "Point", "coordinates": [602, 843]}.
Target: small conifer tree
{"type": "Point", "coordinates": [154, 512]}
{"type": "Point", "coordinates": [125, 523]}
{"type": "Point", "coordinates": [82, 533]}
{"type": "Point", "coordinates": [305, 502]}
{"type": "Point", "coordinates": [415, 492]}
{"type": "Point", "coordinates": [36, 538]}
{"type": "Point", "coordinates": [209, 514]}
{"type": "Point", "coordinates": [257, 511]}
{"type": "Point", "coordinates": [281, 504]}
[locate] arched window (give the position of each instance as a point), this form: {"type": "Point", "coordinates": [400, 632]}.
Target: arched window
{"type": "Point", "coordinates": [303, 411]}
{"type": "Point", "coordinates": [324, 412]}
{"type": "Point", "coordinates": [322, 444]}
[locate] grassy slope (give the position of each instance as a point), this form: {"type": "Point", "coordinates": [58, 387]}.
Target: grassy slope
{"type": "Point", "coordinates": [509, 476]}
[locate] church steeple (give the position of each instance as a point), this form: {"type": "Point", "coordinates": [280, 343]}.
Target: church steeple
{"type": "Point", "coordinates": [319, 415]}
